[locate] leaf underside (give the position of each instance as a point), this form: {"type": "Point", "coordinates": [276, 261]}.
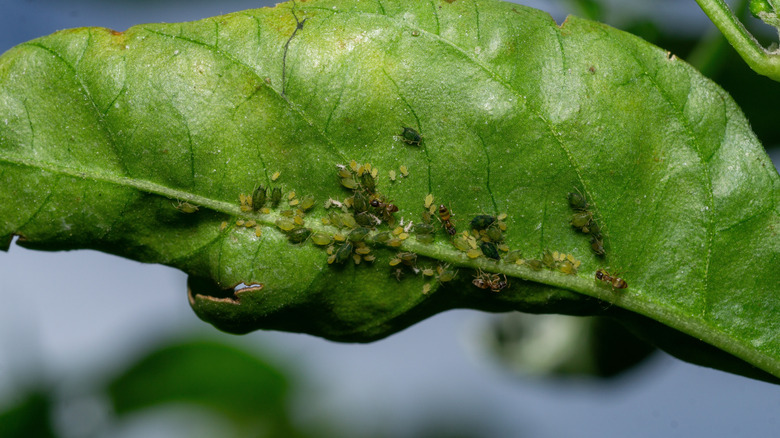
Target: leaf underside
{"type": "Point", "coordinates": [109, 140]}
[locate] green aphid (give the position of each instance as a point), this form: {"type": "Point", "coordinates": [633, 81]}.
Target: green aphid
{"type": "Point", "coordinates": [307, 203]}
{"type": "Point", "coordinates": [335, 219]}
{"type": "Point", "coordinates": [349, 183]}
{"type": "Point", "coordinates": [258, 198]}
{"type": "Point", "coordinates": [348, 221]}
{"type": "Point", "coordinates": [426, 238]}
{"type": "Point", "coordinates": [595, 229]}
{"type": "Point", "coordinates": [358, 234]}
{"type": "Point", "coordinates": [276, 196]}
{"type": "Point", "coordinates": [597, 245]}
{"type": "Point", "coordinates": [494, 234]}
{"type": "Point", "coordinates": [422, 229]}
{"type": "Point", "coordinates": [581, 219]}
{"type": "Point", "coordinates": [490, 250]}
{"type": "Point", "coordinates": [446, 275]}
{"type": "Point", "coordinates": [321, 239]}
{"type": "Point", "coordinates": [186, 207]}
{"type": "Point", "coordinates": [408, 258]}
{"type": "Point", "coordinates": [360, 202]}
{"type": "Point", "coordinates": [513, 256]}
{"type": "Point", "coordinates": [368, 182]}
{"type": "Point", "coordinates": [382, 237]}
{"type": "Point", "coordinates": [410, 136]}
{"type": "Point", "coordinates": [577, 201]}
{"type": "Point", "coordinates": [482, 221]}
{"type": "Point", "coordinates": [343, 253]}
{"type": "Point", "coordinates": [365, 219]}
{"type": "Point", "coordinates": [462, 244]}
{"type": "Point", "coordinates": [285, 224]}
{"type": "Point", "coordinates": [534, 264]}
{"type": "Point", "coordinates": [299, 235]}
{"type": "Point", "coordinates": [548, 260]}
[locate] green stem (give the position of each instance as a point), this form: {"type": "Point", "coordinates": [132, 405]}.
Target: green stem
{"type": "Point", "coordinates": [759, 59]}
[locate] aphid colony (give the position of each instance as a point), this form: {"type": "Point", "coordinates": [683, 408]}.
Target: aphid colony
{"type": "Point", "coordinates": [359, 216]}
{"type": "Point", "coordinates": [583, 220]}
{"type": "Point", "coordinates": [290, 221]}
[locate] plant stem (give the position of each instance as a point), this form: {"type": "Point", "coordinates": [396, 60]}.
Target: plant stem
{"type": "Point", "coordinates": [759, 59]}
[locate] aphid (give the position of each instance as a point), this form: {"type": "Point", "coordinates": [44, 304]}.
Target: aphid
{"type": "Point", "coordinates": [548, 260]}
{"type": "Point", "coordinates": [276, 196]}
{"type": "Point", "coordinates": [426, 288]}
{"type": "Point", "coordinates": [424, 233]}
{"type": "Point", "coordinates": [382, 237]}
{"type": "Point", "coordinates": [299, 235]}
{"type": "Point", "coordinates": [473, 253]}
{"type": "Point", "coordinates": [513, 256]}
{"type": "Point", "coordinates": [489, 250]}
{"type": "Point", "coordinates": [358, 234]}
{"type": "Point", "coordinates": [275, 176]}
{"type": "Point", "coordinates": [360, 202]}
{"type": "Point", "coordinates": [408, 258]}
{"type": "Point", "coordinates": [342, 254]}
{"type": "Point", "coordinates": [365, 219]}
{"type": "Point", "coordinates": [581, 219]}
{"type": "Point", "coordinates": [428, 201]}
{"type": "Point", "coordinates": [285, 224]}
{"type": "Point", "coordinates": [186, 207]}
{"type": "Point", "coordinates": [362, 249]}
{"type": "Point", "coordinates": [445, 273]}
{"type": "Point", "coordinates": [445, 217]}
{"type": "Point", "coordinates": [597, 245]}
{"type": "Point", "coordinates": [410, 136]}
{"type": "Point", "coordinates": [577, 201]}
{"type": "Point", "coordinates": [321, 239]}
{"type": "Point", "coordinates": [404, 171]}
{"type": "Point", "coordinates": [222, 226]}
{"type": "Point", "coordinates": [494, 233]}
{"type": "Point", "coordinates": [615, 281]}
{"type": "Point", "coordinates": [391, 174]}
{"type": "Point", "coordinates": [307, 203]}
{"type": "Point", "coordinates": [482, 221]}
{"type": "Point", "coordinates": [368, 182]}
{"type": "Point", "coordinates": [534, 264]}
{"type": "Point", "coordinates": [349, 183]}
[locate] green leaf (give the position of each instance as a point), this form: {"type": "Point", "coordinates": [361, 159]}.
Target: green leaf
{"type": "Point", "coordinates": [103, 133]}
{"type": "Point", "coordinates": [225, 379]}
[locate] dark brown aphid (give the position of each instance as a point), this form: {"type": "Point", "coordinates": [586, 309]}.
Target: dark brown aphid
{"type": "Point", "coordinates": [615, 281]}
{"type": "Point", "coordinates": [490, 250]}
{"type": "Point", "coordinates": [482, 221]}
{"type": "Point", "coordinates": [445, 217]}
{"type": "Point", "coordinates": [410, 136]}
